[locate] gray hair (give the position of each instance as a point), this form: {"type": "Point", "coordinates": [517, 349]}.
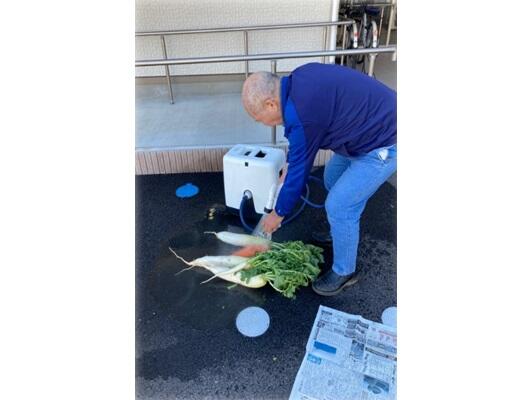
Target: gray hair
{"type": "Point", "coordinates": [259, 87]}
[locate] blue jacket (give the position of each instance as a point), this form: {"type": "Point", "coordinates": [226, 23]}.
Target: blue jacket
{"type": "Point", "coordinates": [327, 106]}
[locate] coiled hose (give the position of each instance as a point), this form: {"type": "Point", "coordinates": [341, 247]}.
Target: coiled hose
{"type": "Point", "coordinates": [304, 202]}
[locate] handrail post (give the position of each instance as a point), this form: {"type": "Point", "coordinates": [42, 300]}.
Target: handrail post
{"type": "Point", "coordinates": [167, 70]}
{"type": "Point", "coordinates": [246, 49]}
{"type": "Point", "coordinates": [371, 67]}
{"type": "Point", "coordinates": [344, 37]}
{"type": "Point", "coordinates": [380, 24]}
{"type": "Point", "coordinates": [274, 128]}
{"type": "Point", "coordinates": [325, 34]}
{"type": "Point", "coordinates": [390, 22]}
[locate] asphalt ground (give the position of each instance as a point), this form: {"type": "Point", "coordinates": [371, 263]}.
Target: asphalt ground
{"type": "Point", "coordinates": [187, 345]}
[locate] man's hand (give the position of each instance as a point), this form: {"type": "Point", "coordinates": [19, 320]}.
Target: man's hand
{"type": "Point", "coordinates": [271, 222]}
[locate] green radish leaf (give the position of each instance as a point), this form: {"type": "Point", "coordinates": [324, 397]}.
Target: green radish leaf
{"type": "Point", "coordinates": [286, 266]}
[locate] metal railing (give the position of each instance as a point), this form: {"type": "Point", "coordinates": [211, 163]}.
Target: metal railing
{"type": "Point", "coordinates": [273, 57]}
{"type": "Point", "coordinates": [244, 30]}
{"type": "Point", "coordinates": [261, 57]}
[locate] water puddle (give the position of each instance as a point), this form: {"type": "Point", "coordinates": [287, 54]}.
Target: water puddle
{"type": "Point", "coordinates": [203, 306]}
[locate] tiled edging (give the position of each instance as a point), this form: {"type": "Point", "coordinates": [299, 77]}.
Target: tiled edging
{"type": "Point", "coordinates": [192, 159]}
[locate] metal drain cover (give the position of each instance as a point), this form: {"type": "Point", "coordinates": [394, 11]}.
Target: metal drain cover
{"type": "Point", "coordinates": [252, 321]}
{"type": "Point", "coordinates": [389, 317]}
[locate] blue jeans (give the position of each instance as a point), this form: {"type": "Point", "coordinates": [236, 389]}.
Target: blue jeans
{"type": "Point", "coordinates": [351, 182]}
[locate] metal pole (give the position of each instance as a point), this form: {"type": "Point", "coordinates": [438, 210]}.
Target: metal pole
{"type": "Point", "coordinates": [371, 67]}
{"type": "Point", "coordinates": [274, 128]}
{"type": "Point", "coordinates": [390, 23]}
{"type": "Point", "coordinates": [258, 57]}
{"type": "Point", "coordinates": [244, 28]}
{"type": "Point", "coordinates": [333, 29]}
{"type": "Point", "coordinates": [246, 51]}
{"type": "Point", "coordinates": [167, 70]}
{"type": "Point", "coordinates": [380, 23]}
{"type": "Point", "coordinates": [325, 31]}
{"type": "Point", "coordinates": [344, 37]}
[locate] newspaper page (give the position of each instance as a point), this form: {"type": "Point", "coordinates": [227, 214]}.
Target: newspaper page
{"type": "Point", "coordinates": [347, 357]}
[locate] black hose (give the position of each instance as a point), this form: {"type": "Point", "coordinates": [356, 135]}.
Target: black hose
{"type": "Point", "coordinates": [291, 217]}
{"type": "Point", "coordinates": [241, 213]}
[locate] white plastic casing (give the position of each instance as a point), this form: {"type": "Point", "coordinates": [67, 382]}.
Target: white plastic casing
{"type": "Point", "coordinates": [253, 168]}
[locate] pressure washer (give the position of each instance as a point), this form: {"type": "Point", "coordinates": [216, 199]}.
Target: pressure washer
{"type": "Point", "coordinates": [251, 184]}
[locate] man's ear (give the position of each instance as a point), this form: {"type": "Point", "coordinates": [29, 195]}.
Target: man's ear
{"type": "Point", "coordinates": [271, 104]}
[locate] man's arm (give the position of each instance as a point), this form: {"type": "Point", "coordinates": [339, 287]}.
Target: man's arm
{"type": "Point", "coordinates": [301, 156]}
{"type": "Point", "coordinates": [296, 173]}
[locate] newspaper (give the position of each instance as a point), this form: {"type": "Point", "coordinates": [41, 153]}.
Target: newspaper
{"type": "Point", "coordinates": [347, 357]}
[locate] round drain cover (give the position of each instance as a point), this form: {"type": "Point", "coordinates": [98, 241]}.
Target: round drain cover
{"type": "Point", "coordinates": [252, 321]}
{"type": "Point", "coordinates": [389, 316]}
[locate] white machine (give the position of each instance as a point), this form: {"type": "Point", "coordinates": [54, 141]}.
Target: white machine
{"type": "Point", "coordinates": [252, 171]}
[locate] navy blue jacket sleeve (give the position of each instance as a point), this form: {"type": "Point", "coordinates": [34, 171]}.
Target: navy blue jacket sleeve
{"type": "Point", "coordinates": [302, 150]}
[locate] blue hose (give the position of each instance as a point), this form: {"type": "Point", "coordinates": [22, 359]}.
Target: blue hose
{"type": "Point", "coordinates": [294, 215]}
{"type": "Point", "coordinates": [299, 210]}
{"type": "Point", "coordinates": [306, 200]}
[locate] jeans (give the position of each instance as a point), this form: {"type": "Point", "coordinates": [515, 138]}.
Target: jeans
{"type": "Point", "coordinates": [351, 181]}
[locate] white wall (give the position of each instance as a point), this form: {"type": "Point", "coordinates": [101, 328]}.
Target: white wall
{"type": "Point", "coordinates": [154, 15]}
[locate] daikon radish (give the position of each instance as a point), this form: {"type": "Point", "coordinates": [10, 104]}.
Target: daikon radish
{"type": "Point", "coordinates": [218, 263]}
{"type": "Point", "coordinates": [224, 267]}
{"type": "Point", "coordinates": [233, 275]}
{"type": "Point", "coordinates": [240, 239]}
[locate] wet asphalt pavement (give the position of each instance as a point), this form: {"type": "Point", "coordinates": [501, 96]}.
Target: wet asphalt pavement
{"type": "Point", "coordinates": [187, 345]}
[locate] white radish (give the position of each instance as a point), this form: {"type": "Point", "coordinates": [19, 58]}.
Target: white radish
{"type": "Point", "coordinates": [224, 267]}
{"type": "Point", "coordinates": [230, 271]}
{"type": "Point", "coordinates": [254, 282]}
{"type": "Point", "coordinates": [233, 275]}
{"type": "Point", "coordinates": [240, 239]}
{"type": "Point", "coordinates": [216, 265]}
{"type": "Point", "coordinates": [220, 261]}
